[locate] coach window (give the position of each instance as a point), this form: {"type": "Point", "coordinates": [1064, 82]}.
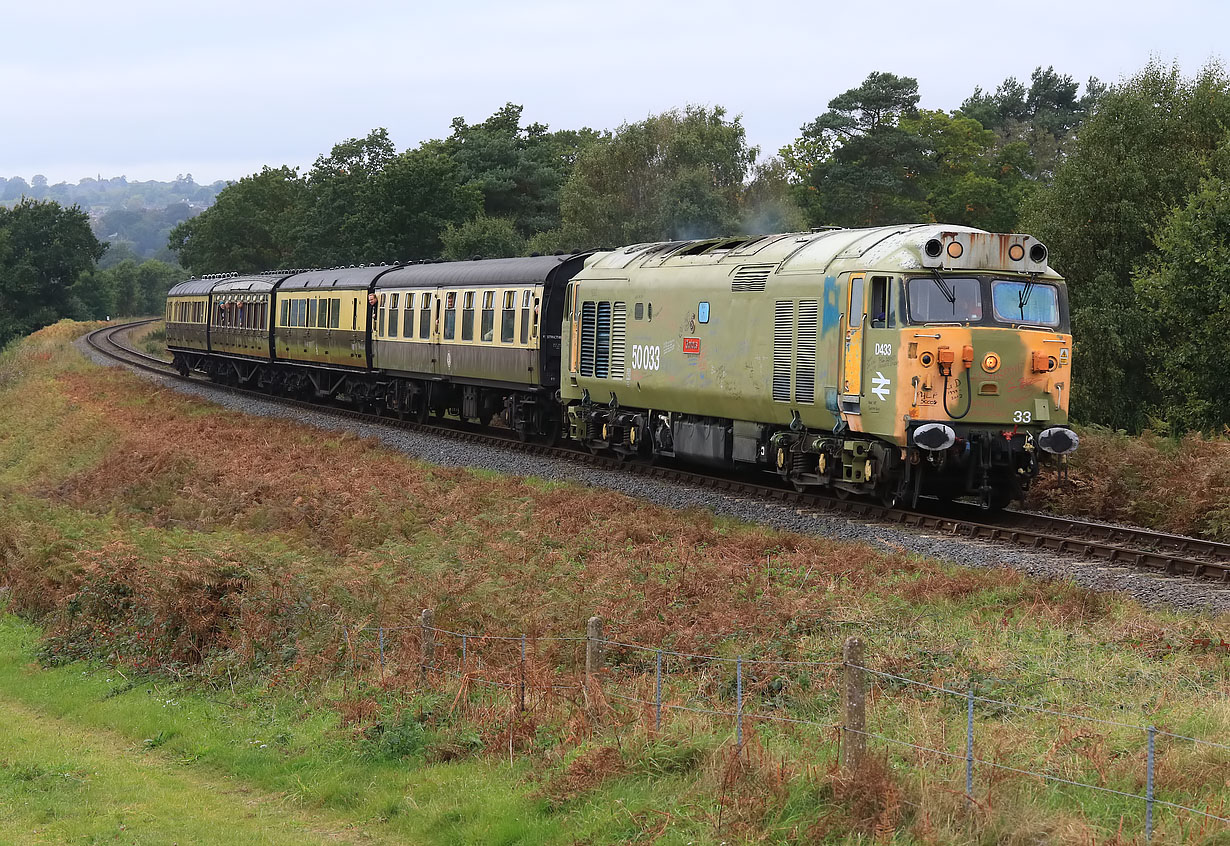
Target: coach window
{"type": "Point", "coordinates": [508, 318]}
{"type": "Point", "coordinates": [285, 313]}
{"type": "Point", "coordinates": [879, 302]}
{"type": "Point", "coordinates": [488, 333]}
{"type": "Point", "coordinates": [311, 316]}
{"type": "Point", "coordinates": [393, 303]}
{"type": "Point", "coordinates": [407, 317]}
{"type": "Point", "coordinates": [450, 316]}
{"type": "Point", "coordinates": [467, 316]}
{"type": "Point", "coordinates": [425, 316]}
{"type": "Point", "coordinates": [525, 317]}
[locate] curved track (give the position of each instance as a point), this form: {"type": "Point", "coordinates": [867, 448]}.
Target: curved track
{"type": "Point", "coordinates": [1118, 545]}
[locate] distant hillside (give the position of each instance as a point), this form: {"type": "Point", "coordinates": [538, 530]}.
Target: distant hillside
{"type": "Point", "coordinates": [134, 217]}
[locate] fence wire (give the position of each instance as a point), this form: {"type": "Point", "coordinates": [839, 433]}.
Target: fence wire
{"type": "Point", "coordinates": [470, 666]}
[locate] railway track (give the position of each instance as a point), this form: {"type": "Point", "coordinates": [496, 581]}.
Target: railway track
{"type": "Point", "coordinates": [1110, 544]}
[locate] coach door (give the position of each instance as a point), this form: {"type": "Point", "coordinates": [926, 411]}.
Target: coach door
{"type": "Point", "coordinates": [852, 353]}
{"type": "Point", "coordinates": [437, 330]}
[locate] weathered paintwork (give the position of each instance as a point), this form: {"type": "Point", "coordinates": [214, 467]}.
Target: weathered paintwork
{"type": "Point", "coordinates": [815, 331]}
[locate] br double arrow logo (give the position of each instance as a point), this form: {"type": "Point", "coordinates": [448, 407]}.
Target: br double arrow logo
{"type": "Point", "coordinates": [879, 386]}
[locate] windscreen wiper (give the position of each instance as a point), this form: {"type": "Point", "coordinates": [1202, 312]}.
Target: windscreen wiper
{"type": "Point", "coordinates": [948, 293]}
{"type": "Point", "coordinates": [1023, 297]}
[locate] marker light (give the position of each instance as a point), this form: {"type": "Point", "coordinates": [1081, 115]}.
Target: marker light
{"type": "Point", "coordinates": [1016, 252]}
{"type": "Point", "coordinates": [955, 249]}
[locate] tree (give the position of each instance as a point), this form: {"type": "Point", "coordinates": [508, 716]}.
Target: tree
{"type": "Point", "coordinates": [1141, 153]}
{"type": "Point", "coordinates": [1043, 117]}
{"type": "Point", "coordinates": [964, 181]}
{"type": "Point", "coordinates": [482, 237]}
{"type": "Point", "coordinates": [855, 165]}
{"type": "Point", "coordinates": [15, 189]}
{"type": "Point", "coordinates": [250, 227]}
{"type": "Point", "coordinates": [520, 170]}
{"type": "Point", "coordinates": [333, 220]}
{"type": "Point", "coordinates": [768, 201]}
{"type": "Point", "coordinates": [44, 250]}
{"type": "Point", "coordinates": [413, 200]}
{"type": "Point", "coordinates": [674, 175]}
{"type": "Point", "coordinates": [1184, 291]}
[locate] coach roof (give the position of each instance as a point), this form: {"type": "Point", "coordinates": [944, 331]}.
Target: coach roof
{"type": "Point", "coordinates": [480, 272]}
{"type": "Point", "coordinates": [338, 278]}
{"type": "Point", "coordinates": [193, 288]}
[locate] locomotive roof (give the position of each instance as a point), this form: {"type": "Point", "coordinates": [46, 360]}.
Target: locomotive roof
{"type": "Point", "coordinates": [337, 278]}
{"type": "Point", "coordinates": [501, 271]}
{"type": "Point", "coordinates": [882, 247]}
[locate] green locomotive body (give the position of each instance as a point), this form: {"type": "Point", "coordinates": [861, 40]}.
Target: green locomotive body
{"type": "Point", "coordinates": [892, 361]}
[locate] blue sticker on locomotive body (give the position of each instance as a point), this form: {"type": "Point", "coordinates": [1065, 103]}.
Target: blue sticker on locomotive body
{"type": "Point", "coordinates": [702, 313]}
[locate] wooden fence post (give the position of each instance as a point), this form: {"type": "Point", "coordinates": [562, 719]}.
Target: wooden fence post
{"type": "Point", "coordinates": [427, 641]}
{"type": "Point", "coordinates": [593, 656]}
{"type": "Point", "coordinates": [854, 705]}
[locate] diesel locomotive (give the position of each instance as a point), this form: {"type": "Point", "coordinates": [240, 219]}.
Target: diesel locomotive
{"type": "Point", "coordinates": [891, 361]}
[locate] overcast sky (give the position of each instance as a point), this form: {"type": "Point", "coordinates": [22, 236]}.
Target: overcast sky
{"type": "Point", "coordinates": [151, 89]}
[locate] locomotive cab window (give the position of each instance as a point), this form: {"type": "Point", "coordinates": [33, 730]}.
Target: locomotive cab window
{"type": "Point", "coordinates": [945, 299]}
{"type": "Point", "coordinates": [878, 307]}
{"type": "Point", "coordinates": [1027, 302]}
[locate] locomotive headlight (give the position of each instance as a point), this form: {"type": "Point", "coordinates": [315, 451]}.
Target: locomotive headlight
{"type": "Point", "coordinates": [990, 363]}
{"type": "Point", "coordinates": [1016, 252]}
{"type": "Point", "coordinates": [955, 249]}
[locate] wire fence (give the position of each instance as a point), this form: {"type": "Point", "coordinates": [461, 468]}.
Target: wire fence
{"type": "Point", "coordinates": [592, 672]}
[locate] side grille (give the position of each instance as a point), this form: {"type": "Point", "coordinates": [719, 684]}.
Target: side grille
{"type": "Point", "coordinates": [619, 325]}
{"type": "Point", "coordinates": [805, 352]}
{"type": "Point", "coordinates": [587, 339]}
{"type": "Point", "coordinates": [783, 335]}
{"type": "Point", "coordinates": [750, 278]}
{"type": "Point", "coordinates": [602, 358]}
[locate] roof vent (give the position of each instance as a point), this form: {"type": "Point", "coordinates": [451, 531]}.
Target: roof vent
{"type": "Point", "coordinates": [751, 277]}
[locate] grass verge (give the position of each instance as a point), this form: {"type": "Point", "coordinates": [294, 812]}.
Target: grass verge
{"type": "Point", "coordinates": [249, 570]}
